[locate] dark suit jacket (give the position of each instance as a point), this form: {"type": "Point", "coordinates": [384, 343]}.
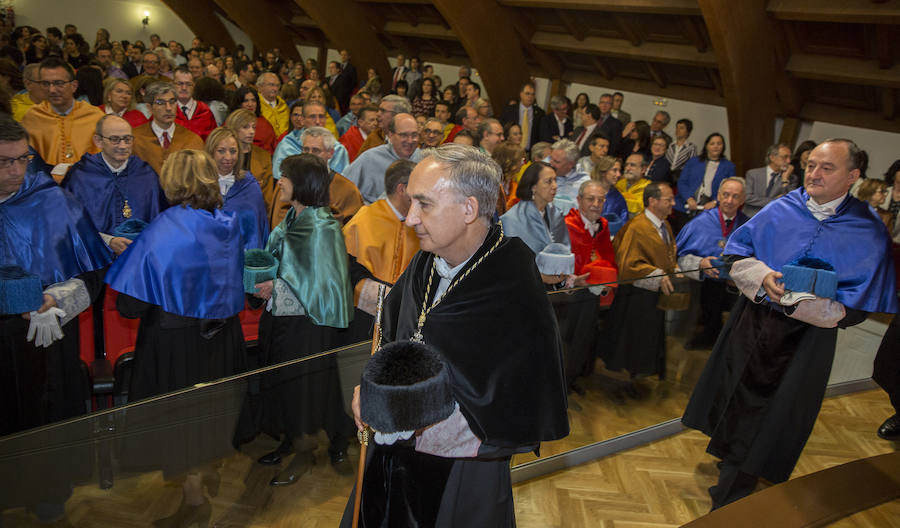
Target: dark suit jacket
{"type": "Point", "coordinates": [394, 74]}
{"type": "Point", "coordinates": [130, 69]}
{"type": "Point", "coordinates": [758, 192]}
{"type": "Point", "coordinates": [341, 89]}
{"type": "Point", "coordinates": [612, 127]}
{"type": "Point", "coordinates": [510, 114]}
{"type": "Point", "coordinates": [549, 128]}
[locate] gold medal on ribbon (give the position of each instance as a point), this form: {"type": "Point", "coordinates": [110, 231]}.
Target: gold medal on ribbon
{"type": "Point", "coordinates": [722, 243]}
{"type": "Point", "coordinates": [126, 210]}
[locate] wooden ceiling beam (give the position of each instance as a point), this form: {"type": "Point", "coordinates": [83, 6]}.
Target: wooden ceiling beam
{"type": "Point", "coordinates": [574, 26]}
{"type": "Point", "coordinates": [889, 103]}
{"type": "Point", "coordinates": [655, 74]}
{"type": "Point", "coordinates": [627, 29]}
{"type": "Point", "coordinates": [714, 79]}
{"type": "Point", "coordinates": [843, 70]}
{"type": "Point", "coordinates": [603, 67]}
{"type": "Point", "coordinates": [262, 24]}
{"type": "Point", "coordinates": [884, 46]}
{"type": "Point", "coordinates": [836, 11]}
{"type": "Point", "coordinates": [659, 7]}
{"type": "Point", "coordinates": [483, 29]}
{"type": "Point", "coordinates": [429, 31]}
{"type": "Point", "coordinates": [689, 25]}
{"type": "Point", "coordinates": [610, 47]}
{"type": "Point", "coordinates": [197, 16]}
{"type": "Point", "coordinates": [741, 34]}
{"type": "Point", "coordinates": [848, 116]}
{"type": "Point", "coordinates": [349, 25]}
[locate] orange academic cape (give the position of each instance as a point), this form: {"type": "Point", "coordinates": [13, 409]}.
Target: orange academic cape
{"type": "Point", "coordinates": [62, 139]}
{"type": "Point", "coordinates": [380, 242]}
{"type": "Point", "coordinates": [640, 249]}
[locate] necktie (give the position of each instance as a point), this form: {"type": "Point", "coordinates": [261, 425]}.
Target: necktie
{"type": "Point", "coordinates": [664, 234]}
{"type": "Point", "coordinates": [526, 131]}
{"type": "Point", "coordinates": [165, 141]}
{"type": "Point", "coordinates": [184, 111]}
{"type": "Point", "coordinates": [772, 179]}
{"type": "Point", "coordinates": [580, 138]}
{"type": "Point", "coordinates": [728, 224]}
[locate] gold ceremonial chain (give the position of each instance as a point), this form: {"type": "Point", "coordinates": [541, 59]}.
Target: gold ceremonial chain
{"type": "Point", "coordinates": [417, 336]}
{"type": "Point", "coordinates": [126, 210]}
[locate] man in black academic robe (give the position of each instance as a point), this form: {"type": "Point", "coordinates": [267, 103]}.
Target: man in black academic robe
{"type": "Point", "coordinates": [759, 394]}
{"type": "Point", "coordinates": [477, 297]}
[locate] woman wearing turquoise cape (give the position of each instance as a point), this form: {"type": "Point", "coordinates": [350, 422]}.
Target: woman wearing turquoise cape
{"type": "Point", "coordinates": [308, 300]}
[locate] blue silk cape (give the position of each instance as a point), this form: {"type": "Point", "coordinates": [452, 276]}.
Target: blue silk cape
{"type": "Point", "coordinates": [854, 241]}
{"type": "Point", "coordinates": [245, 200]}
{"type": "Point", "coordinates": [615, 203]}
{"type": "Point", "coordinates": [188, 261]}
{"type": "Point", "coordinates": [91, 181]}
{"type": "Point", "coordinates": [45, 231]}
{"type": "Point", "coordinates": [701, 235]}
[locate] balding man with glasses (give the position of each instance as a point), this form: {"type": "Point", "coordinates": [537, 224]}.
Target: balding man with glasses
{"type": "Point", "coordinates": [60, 127]}
{"type": "Point", "coordinates": [114, 185]}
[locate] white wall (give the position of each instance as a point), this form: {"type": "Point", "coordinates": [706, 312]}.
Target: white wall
{"type": "Point", "coordinates": [121, 17]}
{"type": "Point", "coordinates": [883, 148]}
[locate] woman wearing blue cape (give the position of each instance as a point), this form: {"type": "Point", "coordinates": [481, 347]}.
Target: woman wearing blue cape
{"type": "Point", "coordinates": [183, 278]}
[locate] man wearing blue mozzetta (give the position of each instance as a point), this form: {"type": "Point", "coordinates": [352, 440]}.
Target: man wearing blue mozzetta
{"type": "Point", "coordinates": [760, 393]}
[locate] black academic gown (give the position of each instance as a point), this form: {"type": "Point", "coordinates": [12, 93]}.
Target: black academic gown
{"type": "Point", "coordinates": [496, 331]}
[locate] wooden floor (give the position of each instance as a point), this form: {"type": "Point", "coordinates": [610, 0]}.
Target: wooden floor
{"type": "Point", "coordinates": [661, 484]}
{"type": "Point", "coordinates": [664, 484]}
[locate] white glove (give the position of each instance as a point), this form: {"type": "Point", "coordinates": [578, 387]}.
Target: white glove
{"type": "Point", "coordinates": [391, 438]}
{"type": "Point", "coordinates": [44, 328]}
{"type": "Point", "coordinates": [600, 291]}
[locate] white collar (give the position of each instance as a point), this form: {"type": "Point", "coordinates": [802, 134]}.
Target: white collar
{"type": "Point", "coordinates": [225, 183]}
{"type": "Point", "coordinates": [825, 210]}
{"type": "Point", "coordinates": [158, 130]}
{"type": "Point", "coordinates": [445, 271]}
{"type": "Point", "coordinates": [110, 111]}
{"type": "Point", "coordinates": [111, 168]}
{"type": "Point", "coordinates": [396, 212]}
{"type": "Point", "coordinates": [191, 107]}
{"type": "Point", "coordinates": [652, 217]}
{"type": "Point", "coordinates": [592, 227]}
{"type": "Point", "coordinates": [272, 104]}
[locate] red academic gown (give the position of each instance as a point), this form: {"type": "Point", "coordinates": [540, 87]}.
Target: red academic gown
{"type": "Point", "coordinates": [201, 123]}
{"type": "Point", "coordinates": [593, 254]}
{"type": "Point", "coordinates": [134, 117]}
{"type": "Point", "coordinates": [265, 135]}
{"type": "Point", "coordinates": [452, 135]}
{"type": "Point", "coordinates": [352, 140]}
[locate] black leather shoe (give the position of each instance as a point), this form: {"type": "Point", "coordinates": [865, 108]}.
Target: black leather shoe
{"type": "Point", "coordinates": [890, 429]}
{"type": "Point", "coordinates": [274, 458]}
{"type": "Point", "coordinates": [299, 466]}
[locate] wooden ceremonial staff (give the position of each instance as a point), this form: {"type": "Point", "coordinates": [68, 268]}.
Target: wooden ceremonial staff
{"type": "Point", "coordinates": [363, 435]}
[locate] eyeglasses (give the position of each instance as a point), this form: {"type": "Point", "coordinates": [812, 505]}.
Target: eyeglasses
{"type": "Point", "coordinates": [315, 151]}
{"type": "Point", "coordinates": [432, 132]}
{"type": "Point", "coordinates": [165, 102]}
{"type": "Point", "coordinates": [115, 140]}
{"type": "Point", "coordinates": [55, 84]}
{"type": "Point", "coordinates": [6, 163]}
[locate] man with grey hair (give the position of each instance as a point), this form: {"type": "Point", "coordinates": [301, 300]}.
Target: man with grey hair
{"type": "Point", "coordinates": [343, 196]}
{"type": "Point", "coordinates": [660, 122]}
{"type": "Point", "coordinates": [460, 294]}
{"type": "Point", "coordinates": [433, 133]}
{"type": "Point", "coordinates": [390, 106]}
{"type": "Point", "coordinates": [773, 181]}
{"type": "Point", "coordinates": [33, 94]}
{"type": "Point", "coordinates": [563, 157]}
{"type": "Point", "coordinates": [367, 171]}
{"type": "Point", "coordinates": [314, 115]}
{"type": "Point", "coordinates": [700, 245]}
{"type": "Point", "coordinates": [490, 133]}
{"type": "Point", "coordinates": [161, 136]}
{"type": "Point", "coordinates": [557, 124]}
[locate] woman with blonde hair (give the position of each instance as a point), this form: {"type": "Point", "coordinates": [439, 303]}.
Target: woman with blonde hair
{"type": "Point", "coordinates": [511, 158]}
{"type": "Point", "coordinates": [118, 99]}
{"type": "Point", "coordinates": [241, 195]}
{"type": "Point", "coordinates": [182, 277]}
{"type": "Point", "coordinates": [608, 171]}
{"type": "Point", "coordinates": [256, 159]}
{"type": "Point", "coordinates": [320, 95]}
{"type": "Point", "coordinates": [874, 192]}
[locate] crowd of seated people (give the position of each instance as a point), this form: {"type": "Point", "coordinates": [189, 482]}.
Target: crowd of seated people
{"type": "Point", "coordinates": [266, 154]}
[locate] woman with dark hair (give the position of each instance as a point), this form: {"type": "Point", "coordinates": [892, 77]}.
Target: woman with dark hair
{"type": "Point", "coordinates": [310, 297]}
{"type": "Point", "coordinates": [182, 277]}
{"type": "Point", "coordinates": [74, 51]}
{"type": "Point", "coordinates": [698, 184]}
{"type": "Point", "coordinates": [450, 95]}
{"type": "Point", "coordinates": [581, 102]}
{"type": "Point", "coordinates": [37, 50]}
{"type": "Point", "coordinates": [10, 76]}
{"type": "Point", "coordinates": [536, 221]}
{"type": "Point", "coordinates": [296, 119]}
{"type": "Point", "coordinates": [212, 92]}
{"type": "Point", "coordinates": [637, 140]}
{"type": "Point", "coordinates": [892, 178]}
{"type": "Point", "coordinates": [798, 160]}
{"type": "Point", "coordinates": [402, 88]}
{"type": "Point", "coordinates": [248, 98]}
{"type": "Point", "coordinates": [424, 103]}
{"type": "Point", "coordinates": [90, 85]}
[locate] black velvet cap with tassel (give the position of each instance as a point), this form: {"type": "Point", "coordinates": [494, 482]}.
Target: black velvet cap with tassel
{"type": "Point", "coordinates": [405, 386]}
